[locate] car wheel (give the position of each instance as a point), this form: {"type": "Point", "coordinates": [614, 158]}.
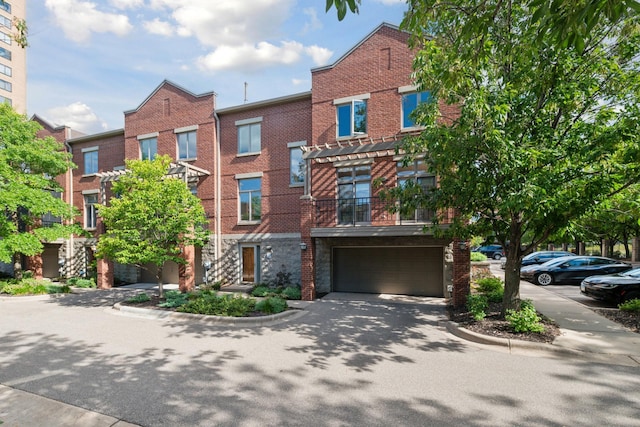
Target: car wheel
{"type": "Point", "coordinates": [544, 279]}
{"type": "Point", "coordinates": [497, 256]}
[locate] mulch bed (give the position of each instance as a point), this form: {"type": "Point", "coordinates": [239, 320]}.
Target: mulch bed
{"type": "Point", "coordinates": [496, 326]}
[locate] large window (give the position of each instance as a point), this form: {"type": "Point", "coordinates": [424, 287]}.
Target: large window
{"type": "Point", "coordinates": [4, 37]}
{"type": "Point", "coordinates": [187, 147]}
{"type": "Point", "coordinates": [90, 212]}
{"type": "Point", "coordinates": [5, 22]}
{"type": "Point", "coordinates": [5, 53]}
{"type": "Point", "coordinates": [410, 102]}
{"type": "Point", "coordinates": [250, 199]}
{"type": "Point", "coordinates": [148, 148]}
{"type": "Point", "coordinates": [296, 164]}
{"type": "Point", "coordinates": [249, 138]}
{"type": "Point", "coordinates": [90, 161]}
{"type": "Point", "coordinates": [352, 118]}
{"type": "Point", "coordinates": [418, 180]}
{"type": "Point", "coordinates": [5, 6]}
{"type": "Point", "coordinates": [354, 187]}
{"type": "Point", "coordinates": [5, 85]}
{"type": "Point", "coordinates": [5, 70]}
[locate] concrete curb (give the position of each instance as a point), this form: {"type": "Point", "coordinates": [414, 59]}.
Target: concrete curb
{"type": "Point", "coordinates": [528, 347]}
{"type": "Point", "coordinates": [267, 320]}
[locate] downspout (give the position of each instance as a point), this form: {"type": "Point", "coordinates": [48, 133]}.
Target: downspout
{"type": "Point", "coordinates": [217, 195]}
{"type": "Point", "coordinates": [70, 254]}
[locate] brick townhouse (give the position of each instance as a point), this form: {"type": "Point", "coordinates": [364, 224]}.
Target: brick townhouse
{"type": "Point", "coordinates": [287, 183]}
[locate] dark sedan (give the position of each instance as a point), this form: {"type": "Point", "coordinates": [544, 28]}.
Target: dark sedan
{"type": "Point", "coordinates": [616, 288]}
{"type": "Point", "coordinates": [538, 257]}
{"type": "Point", "coordinates": [491, 251]}
{"type": "Point", "coordinates": [571, 269]}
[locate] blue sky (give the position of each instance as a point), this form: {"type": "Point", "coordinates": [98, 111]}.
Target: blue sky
{"type": "Point", "coordinates": [89, 61]}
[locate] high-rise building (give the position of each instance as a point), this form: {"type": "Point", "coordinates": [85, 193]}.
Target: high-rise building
{"type": "Point", "coordinates": [13, 57]}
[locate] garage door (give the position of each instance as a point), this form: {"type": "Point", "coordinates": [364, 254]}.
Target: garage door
{"type": "Point", "coordinates": [389, 270]}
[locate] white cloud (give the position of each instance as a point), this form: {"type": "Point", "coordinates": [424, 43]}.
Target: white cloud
{"type": "Point", "coordinates": [320, 55]}
{"type": "Point", "coordinates": [77, 116]}
{"type": "Point", "coordinates": [314, 23]}
{"type": "Point", "coordinates": [251, 56]}
{"type": "Point", "coordinates": [127, 4]}
{"type": "Point", "coordinates": [157, 26]}
{"type": "Point", "coordinates": [298, 82]}
{"type": "Point", "coordinates": [78, 19]}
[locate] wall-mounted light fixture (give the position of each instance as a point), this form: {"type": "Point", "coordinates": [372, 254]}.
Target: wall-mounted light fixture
{"type": "Point", "coordinates": [303, 246]}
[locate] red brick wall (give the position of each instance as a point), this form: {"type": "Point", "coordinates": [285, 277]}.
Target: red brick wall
{"type": "Point", "coordinates": [170, 108]}
{"type": "Point", "coordinates": [281, 124]}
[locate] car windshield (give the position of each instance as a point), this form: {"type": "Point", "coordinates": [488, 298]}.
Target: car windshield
{"type": "Point", "coordinates": [632, 273]}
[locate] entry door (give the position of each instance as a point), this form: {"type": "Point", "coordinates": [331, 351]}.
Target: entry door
{"type": "Point", "coordinates": [250, 264]}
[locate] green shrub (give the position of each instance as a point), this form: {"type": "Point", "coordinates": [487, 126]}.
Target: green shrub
{"type": "Point", "coordinates": [174, 299]}
{"type": "Point", "coordinates": [477, 256]}
{"type": "Point", "coordinates": [631, 305]}
{"type": "Point", "coordinates": [261, 291]}
{"type": "Point", "coordinates": [526, 319]}
{"type": "Point", "coordinates": [477, 304]}
{"type": "Point", "coordinates": [139, 298]}
{"type": "Point", "coordinates": [495, 296]}
{"type": "Point", "coordinates": [219, 305]}
{"type": "Point", "coordinates": [28, 286]}
{"type": "Point", "coordinates": [80, 282]}
{"type": "Point", "coordinates": [58, 289]}
{"type": "Point", "coordinates": [489, 284]}
{"type": "Point", "coordinates": [272, 305]}
{"type": "Point", "coordinates": [292, 292]}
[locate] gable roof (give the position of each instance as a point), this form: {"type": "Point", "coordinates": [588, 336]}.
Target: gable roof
{"type": "Point", "coordinates": [367, 37]}
{"type": "Point", "coordinates": [70, 133]}
{"type": "Point", "coordinates": [166, 82]}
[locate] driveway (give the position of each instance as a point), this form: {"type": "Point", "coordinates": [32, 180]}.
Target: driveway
{"type": "Point", "coordinates": [349, 360]}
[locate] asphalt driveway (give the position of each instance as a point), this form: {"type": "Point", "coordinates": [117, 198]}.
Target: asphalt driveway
{"type": "Point", "coordinates": [349, 360]}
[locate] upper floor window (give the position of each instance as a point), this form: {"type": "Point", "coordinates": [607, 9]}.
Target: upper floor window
{"type": "Point", "coordinates": [5, 53]}
{"type": "Point", "coordinates": [5, 70]}
{"type": "Point", "coordinates": [296, 163]}
{"type": "Point", "coordinates": [187, 143]}
{"type": "Point", "coordinates": [410, 102]}
{"type": "Point", "coordinates": [90, 211]}
{"type": "Point", "coordinates": [5, 22]}
{"type": "Point", "coordinates": [415, 175]}
{"type": "Point", "coordinates": [90, 160]}
{"type": "Point", "coordinates": [354, 192]}
{"type": "Point", "coordinates": [148, 148]}
{"type": "Point", "coordinates": [6, 38]}
{"type": "Point", "coordinates": [250, 195]}
{"type": "Point", "coordinates": [5, 6]}
{"type": "Point", "coordinates": [249, 135]}
{"type": "Point", "coordinates": [352, 118]}
{"type": "Point", "coordinates": [5, 100]}
{"type": "Point", "coordinates": [6, 85]}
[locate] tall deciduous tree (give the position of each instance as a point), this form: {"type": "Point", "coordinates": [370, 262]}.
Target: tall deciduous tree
{"type": "Point", "coordinates": [542, 132]}
{"type": "Point", "coordinates": [152, 217]}
{"type": "Point", "coordinates": [28, 168]}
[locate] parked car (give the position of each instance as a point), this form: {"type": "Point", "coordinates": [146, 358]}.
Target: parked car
{"type": "Point", "coordinates": [538, 257]}
{"type": "Point", "coordinates": [616, 288]}
{"type": "Point", "coordinates": [491, 251]}
{"type": "Point", "coordinates": [571, 269]}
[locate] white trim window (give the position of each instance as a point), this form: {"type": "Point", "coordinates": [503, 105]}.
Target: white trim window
{"type": "Point", "coordinates": [249, 136]}
{"type": "Point", "coordinates": [148, 148]}
{"type": "Point", "coordinates": [352, 118]}
{"type": "Point", "coordinates": [415, 177]}
{"type": "Point", "coordinates": [250, 197]}
{"type": "Point", "coordinates": [187, 145]}
{"type": "Point", "coordinates": [90, 211]}
{"type": "Point", "coordinates": [90, 159]}
{"type": "Point", "coordinates": [410, 102]}
{"type": "Point", "coordinates": [297, 165]}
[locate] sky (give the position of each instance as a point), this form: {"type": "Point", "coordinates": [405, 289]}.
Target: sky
{"type": "Point", "coordinates": [89, 61]}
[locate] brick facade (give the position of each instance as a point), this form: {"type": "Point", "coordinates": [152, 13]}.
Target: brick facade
{"type": "Point", "coordinates": [288, 236]}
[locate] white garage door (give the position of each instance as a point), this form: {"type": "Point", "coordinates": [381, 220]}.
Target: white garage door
{"type": "Point", "coordinates": [389, 270]}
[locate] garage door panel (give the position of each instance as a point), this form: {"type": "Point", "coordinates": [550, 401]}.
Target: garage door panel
{"type": "Point", "coordinates": [393, 270]}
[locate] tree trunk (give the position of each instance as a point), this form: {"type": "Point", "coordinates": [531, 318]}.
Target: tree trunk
{"type": "Point", "coordinates": [159, 281]}
{"type": "Point", "coordinates": [511, 299]}
{"type": "Point", "coordinates": [17, 266]}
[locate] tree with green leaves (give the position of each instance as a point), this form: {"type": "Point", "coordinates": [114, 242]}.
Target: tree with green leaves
{"type": "Point", "coordinates": [152, 217]}
{"type": "Point", "coordinates": [541, 133]}
{"type": "Point", "coordinates": [28, 189]}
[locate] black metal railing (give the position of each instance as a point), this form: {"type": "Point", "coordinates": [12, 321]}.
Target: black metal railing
{"type": "Point", "coordinates": [364, 210]}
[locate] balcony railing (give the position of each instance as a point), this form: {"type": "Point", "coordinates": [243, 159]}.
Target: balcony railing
{"type": "Point", "coordinates": [364, 211]}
